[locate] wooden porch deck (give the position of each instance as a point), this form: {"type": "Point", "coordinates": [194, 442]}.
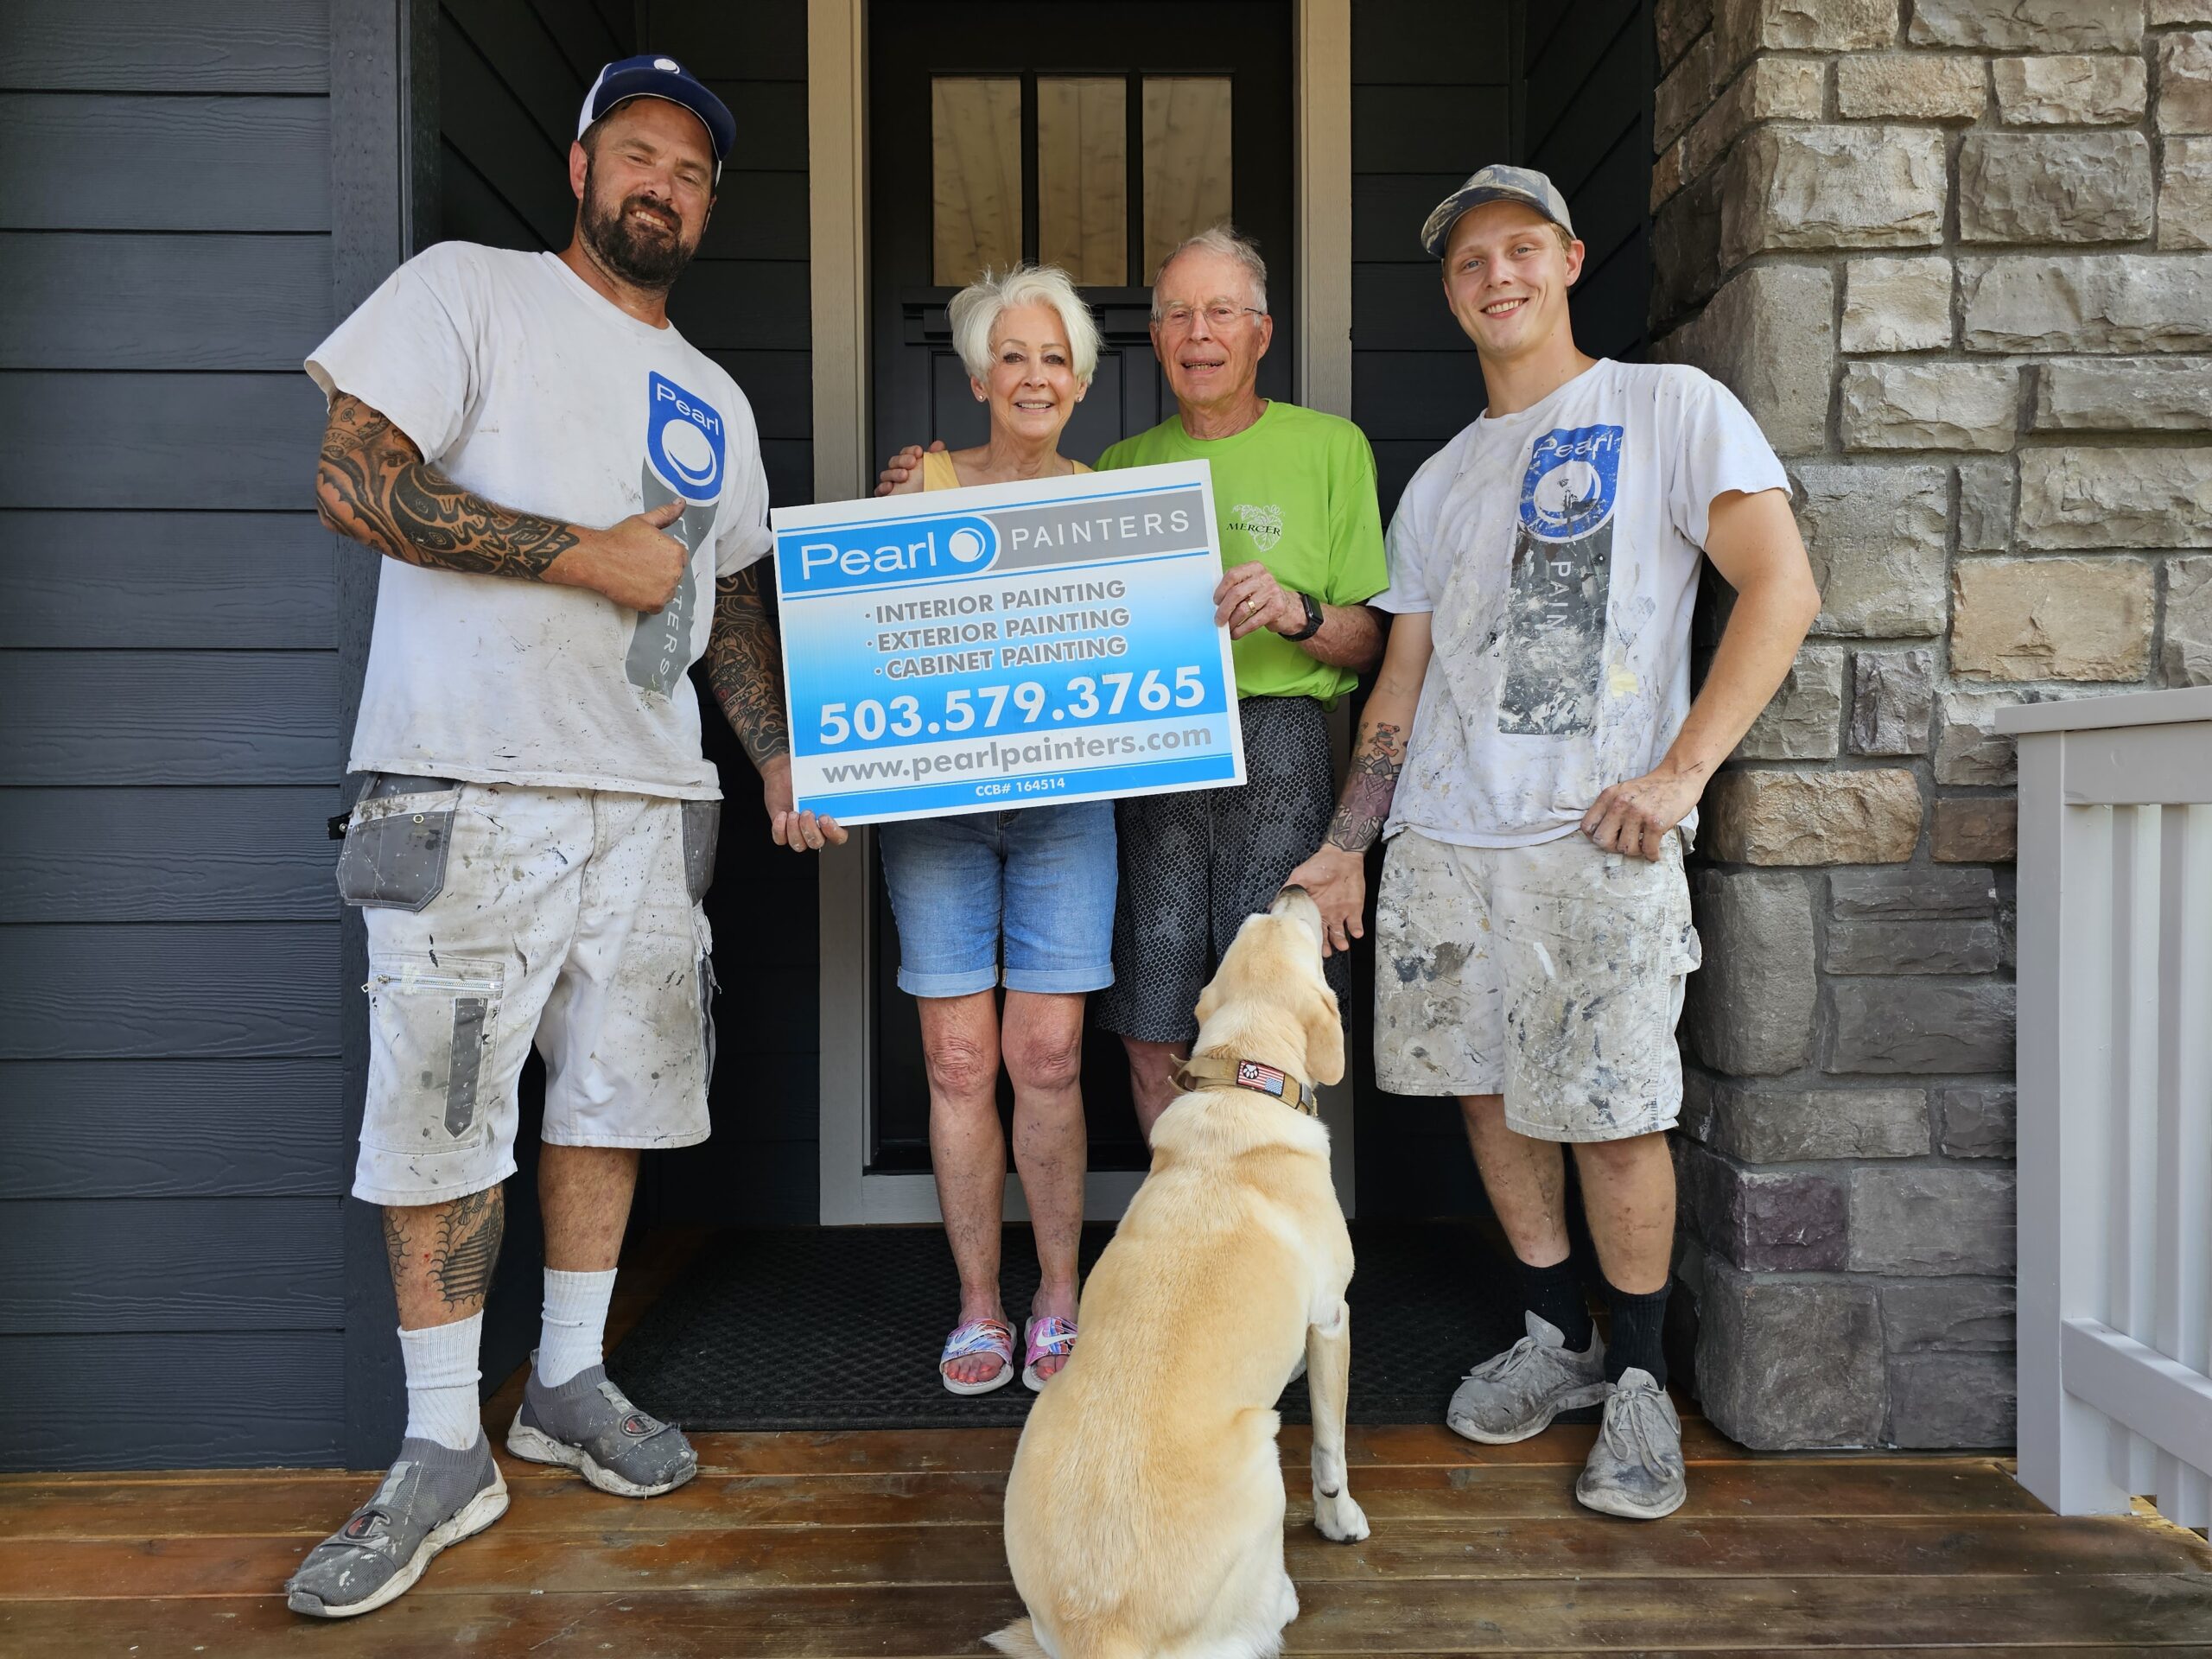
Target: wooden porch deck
{"type": "Point", "coordinates": [887, 1543]}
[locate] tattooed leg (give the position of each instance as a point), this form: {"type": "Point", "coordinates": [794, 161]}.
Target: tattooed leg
{"type": "Point", "coordinates": [1368, 788]}
{"type": "Point", "coordinates": [745, 667]}
{"type": "Point", "coordinates": [442, 1255]}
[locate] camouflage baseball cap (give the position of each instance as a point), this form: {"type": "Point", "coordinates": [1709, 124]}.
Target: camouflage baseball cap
{"type": "Point", "coordinates": [1523, 184]}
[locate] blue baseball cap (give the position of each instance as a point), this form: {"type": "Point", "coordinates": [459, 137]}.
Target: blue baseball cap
{"type": "Point", "coordinates": [651, 75]}
{"type": "Point", "coordinates": [1521, 184]}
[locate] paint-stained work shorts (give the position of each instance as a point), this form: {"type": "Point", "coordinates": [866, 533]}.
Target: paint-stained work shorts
{"type": "Point", "coordinates": [499, 916]}
{"type": "Point", "coordinates": [1551, 974]}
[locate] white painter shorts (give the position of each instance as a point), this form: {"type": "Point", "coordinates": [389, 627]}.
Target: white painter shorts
{"type": "Point", "coordinates": [499, 916]}
{"type": "Point", "coordinates": [1551, 974]}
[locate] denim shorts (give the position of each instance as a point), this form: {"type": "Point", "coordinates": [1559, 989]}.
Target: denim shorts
{"type": "Point", "coordinates": [1022, 899]}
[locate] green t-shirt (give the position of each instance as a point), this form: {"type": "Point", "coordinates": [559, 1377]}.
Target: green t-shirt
{"type": "Point", "coordinates": [1296, 491]}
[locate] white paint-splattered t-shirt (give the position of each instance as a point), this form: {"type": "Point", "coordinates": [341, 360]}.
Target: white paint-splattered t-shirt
{"type": "Point", "coordinates": [520, 382]}
{"type": "Point", "coordinates": [1557, 548]}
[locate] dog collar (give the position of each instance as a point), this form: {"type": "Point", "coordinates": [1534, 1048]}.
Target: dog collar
{"type": "Point", "coordinates": [1200, 1070]}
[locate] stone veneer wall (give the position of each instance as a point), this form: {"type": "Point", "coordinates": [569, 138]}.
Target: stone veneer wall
{"type": "Point", "coordinates": [1951, 254]}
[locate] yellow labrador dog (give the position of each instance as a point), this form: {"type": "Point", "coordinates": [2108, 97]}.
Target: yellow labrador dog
{"type": "Point", "coordinates": [1144, 1515]}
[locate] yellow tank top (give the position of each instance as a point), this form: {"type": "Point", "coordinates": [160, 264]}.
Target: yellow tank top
{"type": "Point", "coordinates": [939, 473]}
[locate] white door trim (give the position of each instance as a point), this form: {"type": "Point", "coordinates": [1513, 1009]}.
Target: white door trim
{"type": "Point", "coordinates": [836, 78]}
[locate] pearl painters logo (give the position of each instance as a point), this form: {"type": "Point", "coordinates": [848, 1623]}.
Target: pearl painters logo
{"type": "Point", "coordinates": [1574, 474]}
{"type": "Point", "coordinates": [1263, 525]}
{"type": "Point", "coordinates": [683, 439]}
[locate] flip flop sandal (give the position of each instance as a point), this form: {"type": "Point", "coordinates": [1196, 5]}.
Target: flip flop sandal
{"type": "Point", "coordinates": [1050, 1338]}
{"type": "Point", "coordinates": [992, 1337]}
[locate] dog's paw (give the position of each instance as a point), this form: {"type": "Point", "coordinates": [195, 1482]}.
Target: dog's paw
{"type": "Point", "coordinates": [1337, 1518]}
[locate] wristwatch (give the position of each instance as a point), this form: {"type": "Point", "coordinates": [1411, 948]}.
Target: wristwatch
{"type": "Point", "coordinates": [1313, 619]}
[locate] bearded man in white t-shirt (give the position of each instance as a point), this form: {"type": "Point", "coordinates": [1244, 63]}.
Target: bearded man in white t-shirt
{"type": "Point", "coordinates": [571, 502]}
{"type": "Point", "coordinates": [1533, 754]}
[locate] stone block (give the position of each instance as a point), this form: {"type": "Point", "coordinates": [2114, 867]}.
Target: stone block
{"type": "Point", "coordinates": [1768, 89]}
{"type": "Point", "coordinates": [1685, 248]}
{"type": "Point", "coordinates": [2185, 193]}
{"type": "Point", "coordinates": [1923, 405]}
{"type": "Point", "coordinates": [2086, 303]}
{"type": "Point", "coordinates": [1912, 895]}
{"type": "Point", "coordinates": [2030, 25]}
{"type": "Point", "coordinates": [2124, 394]}
{"type": "Point", "coordinates": [1985, 505]}
{"type": "Point", "coordinates": [1896, 304]}
{"type": "Point", "coordinates": [1892, 695]}
{"type": "Point", "coordinates": [2099, 498]}
{"type": "Point", "coordinates": [2069, 90]}
{"type": "Point", "coordinates": [1789, 1365]}
{"type": "Point", "coordinates": [1749, 1010]}
{"type": "Point", "coordinates": [1975, 829]}
{"type": "Point", "coordinates": [1894, 1027]}
{"type": "Point", "coordinates": [1917, 1219]}
{"type": "Point", "coordinates": [1777, 1125]}
{"type": "Point", "coordinates": [1769, 336]}
{"type": "Point", "coordinates": [1666, 174]}
{"type": "Point", "coordinates": [1677, 23]}
{"type": "Point", "coordinates": [1952, 1402]}
{"type": "Point", "coordinates": [1909, 85]}
{"type": "Point", "coordinates": [2180, 11]}
{"type": "Point", "coordinates": [1876, 541]}
{"type": "Point", "coordinates": [1762, 1221]}
{"type": "Point", "coordinates": [1969, 749]}
{"type": "Point", "coordinates": [1912, 948]}
{"type": "Point", "coordinates": [1684, 94]}
{"type": "Point", "coordinates": [1832, 186]}
{"type": "Point", "coordinates": [1802, 722]}
{"type": "Point", "coordinates": [1949, 1316]}
{"type": "Point", "coordinates": [2055, 186]}
{"type": "Point", "coordinates": [2051, 619]}
{"type": "Point", "coordinates": [1976, 1119]}
{"type": "Point", "coordinates": [1743, 26]}
{"type": "Point", "coordinates": [2184, 83]}
{"type": "Point", "coordinates": [1870, 816]}
{"type": "Point", "coordinates": [2187, 658]}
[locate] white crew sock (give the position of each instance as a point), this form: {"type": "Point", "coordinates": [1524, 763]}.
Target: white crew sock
{"type": "Point", "coordinates": [575, 1324]}
{"type": "Point", "coordinates": [442, 1378]}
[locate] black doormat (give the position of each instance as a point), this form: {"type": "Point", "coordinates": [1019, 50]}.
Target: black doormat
{"type": "Point", "coordinates": [840, 1327]}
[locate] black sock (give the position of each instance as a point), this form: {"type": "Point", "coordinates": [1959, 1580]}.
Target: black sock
{"type": "Point", "coordinates": [1637, 1322]}
{"type": "Point", "coordinates": [1555, 1293]}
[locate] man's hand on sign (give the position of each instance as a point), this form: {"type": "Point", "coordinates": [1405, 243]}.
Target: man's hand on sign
{"type": "Point", "coordinates": [1249, 598]}
{"type": "Point", "coordinates": [903, 472]}
{"type": "Point", "coordinates": [1336, 880]}
{"type": "Point", "coordinates": [803, 832]}
{"type": "Point", "coordinates": [1633, 817]}
{"type": "Point", "coordinates": [632, 562]}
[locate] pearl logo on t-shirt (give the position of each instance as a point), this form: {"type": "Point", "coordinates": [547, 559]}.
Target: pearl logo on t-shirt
{"type": "Point", "coordinates": [683, 439]}
{"type": "Point", "coordinates": [1573, 475]}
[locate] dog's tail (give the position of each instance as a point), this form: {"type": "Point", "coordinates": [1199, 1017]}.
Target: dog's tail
{"type": "Point", "coordinates": [1018, 1640]}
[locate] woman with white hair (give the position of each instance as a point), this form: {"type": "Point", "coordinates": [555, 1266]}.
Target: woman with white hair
{"type": "Point", "coordinates": [1021, 898]}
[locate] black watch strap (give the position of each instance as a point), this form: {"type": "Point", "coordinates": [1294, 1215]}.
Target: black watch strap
{"type": "Point", "coordinates": [1313, 619]}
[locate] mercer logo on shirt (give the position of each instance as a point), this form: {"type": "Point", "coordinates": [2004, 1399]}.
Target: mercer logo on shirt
{"type": "Point", "coordinates": [1263, 525]}
{"type": "Point", "coordinates": [683, 439]}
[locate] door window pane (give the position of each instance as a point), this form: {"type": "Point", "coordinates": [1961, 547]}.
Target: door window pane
{"type": "Point", "coordinates": [1186, 160]}
{"type": "Point", "coordinates": [1083, 178]}
{"type": "Point", "coordinates": [975, 167]}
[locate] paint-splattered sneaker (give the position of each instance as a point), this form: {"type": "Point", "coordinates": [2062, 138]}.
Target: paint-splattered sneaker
{"type": "Point", "coordinates": [1636, 1468]}
{"type": "Point", "coordinates": [1512, 1396]}
{"type": "Point", "coordinates": [432, 1496]}
{"type": "Point", "coordinates": [588, 1425]}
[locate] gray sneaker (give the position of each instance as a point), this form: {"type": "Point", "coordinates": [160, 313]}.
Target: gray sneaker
{"type": "Point", "coordinates": [1636, 1468]}
{"type": "Point", "coordinates": [589, 1425]}
{"type": "Point", "coordinates": [1512, 1396]}
{"type": "Point", "coordinates": [432, 1496]}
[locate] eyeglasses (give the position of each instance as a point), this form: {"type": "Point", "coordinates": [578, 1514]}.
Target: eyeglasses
{"type": "Point", "coordinates": [1219, 314]}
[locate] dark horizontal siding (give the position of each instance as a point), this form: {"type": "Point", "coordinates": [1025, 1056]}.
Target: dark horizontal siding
{"type": "Point", "coordinates": [170, 1098]}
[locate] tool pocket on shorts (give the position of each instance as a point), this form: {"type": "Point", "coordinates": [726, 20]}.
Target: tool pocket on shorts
{"type": "Point", "coordinates": [709, 987]}
{"type": "Point", "coordinates": [433, 1022]}
{"type": "Point", "coordinates": [703, 825]}
{"type": "Point", "coordinates": [397, 842]}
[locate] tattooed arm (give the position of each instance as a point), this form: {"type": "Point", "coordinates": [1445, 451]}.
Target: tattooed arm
{"type": "Point", "coordinates": [1335, 877]}
{"type": "Point", "coordinates": [745, 668]}
{"type": "Point", "coordinates": [373, 485]}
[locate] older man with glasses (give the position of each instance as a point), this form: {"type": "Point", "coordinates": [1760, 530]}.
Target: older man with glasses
{"type": "Point", "coordinates": [1301, 548]}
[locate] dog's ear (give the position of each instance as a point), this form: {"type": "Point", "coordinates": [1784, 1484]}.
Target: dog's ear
{"type": "Point", "coordinates": [1209, 999]}
{"type": "Point", "coordinates": [1324, 1038]}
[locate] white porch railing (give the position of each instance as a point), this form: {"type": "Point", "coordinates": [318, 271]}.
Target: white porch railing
{"type": "Point", "coordinates": [2116, 1102]}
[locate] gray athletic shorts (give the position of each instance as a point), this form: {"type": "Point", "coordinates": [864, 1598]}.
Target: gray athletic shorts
{"type": "Point", "coordinates": [1551, 974]}
{"type": "Point", "coordinates": [1195, 865]}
